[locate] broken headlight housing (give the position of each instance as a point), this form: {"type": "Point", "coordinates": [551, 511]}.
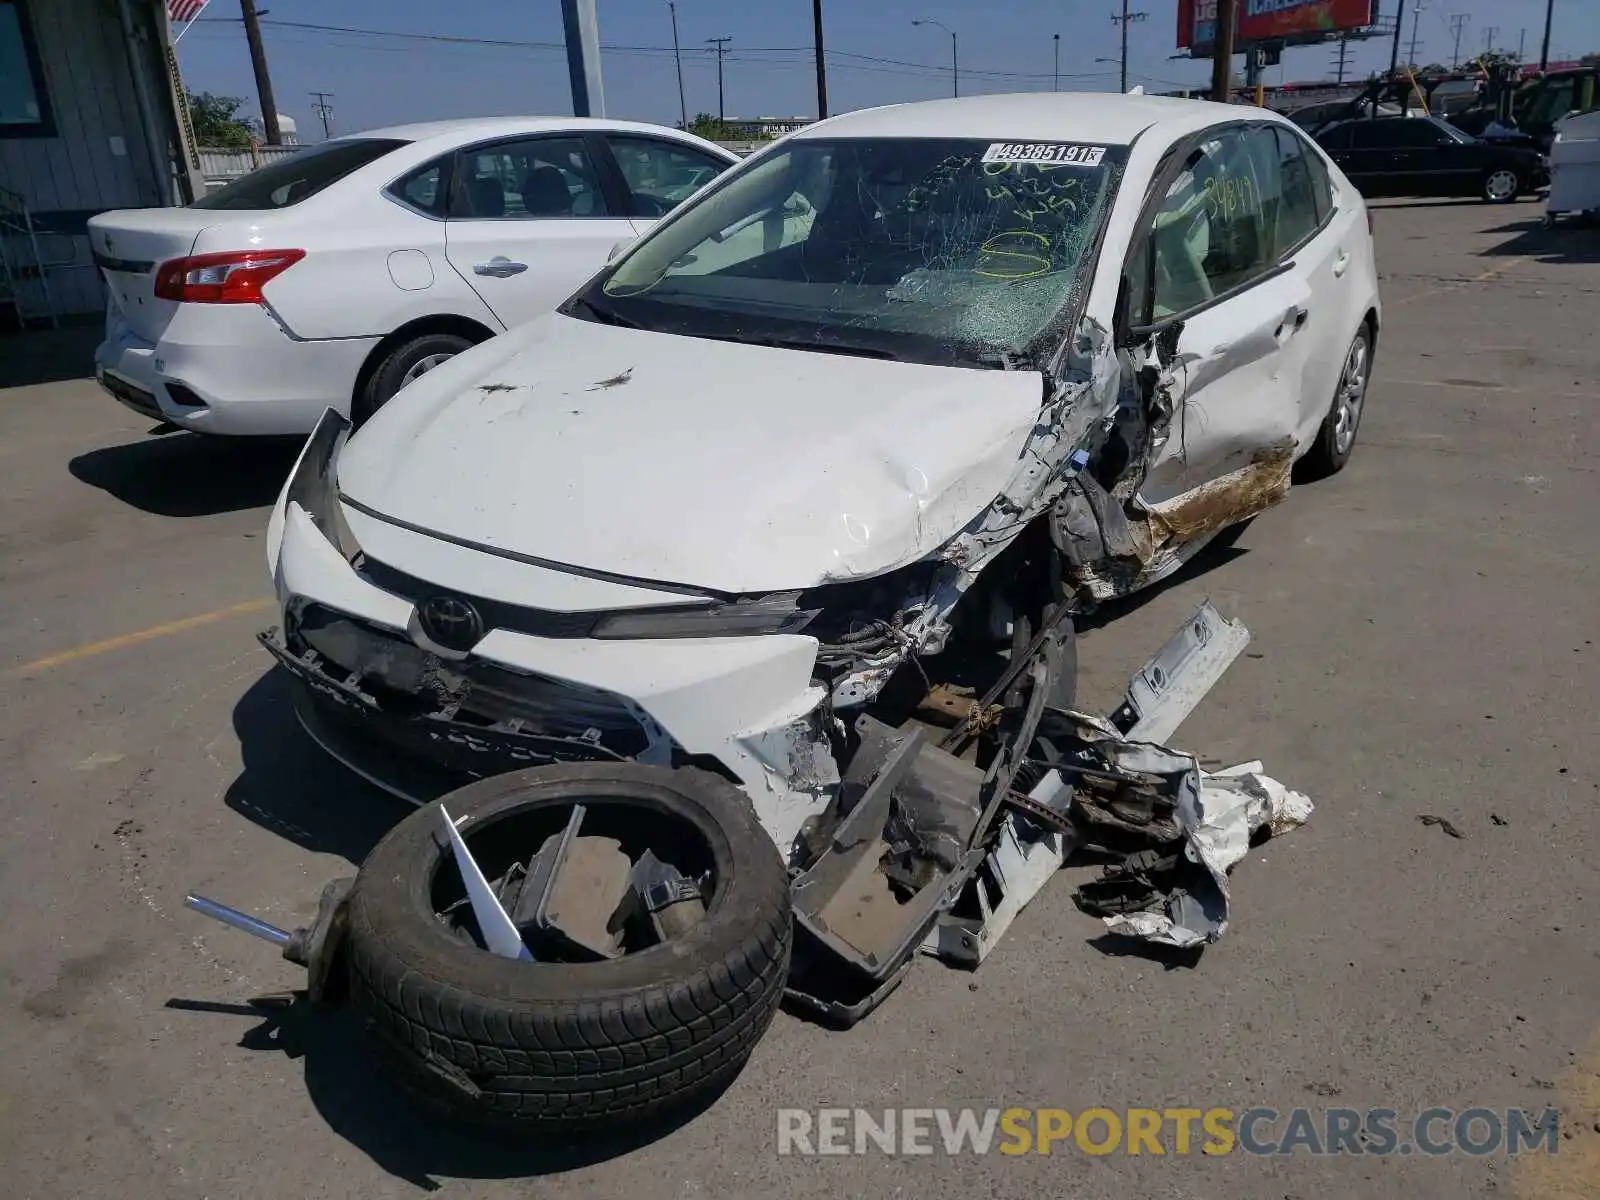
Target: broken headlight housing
{"type": "Point", "coordinates": [777, 613]}
{"type": "Point", "coordinates": [860, 613]}
{"type": "Point", "coordinates": [315, 486]}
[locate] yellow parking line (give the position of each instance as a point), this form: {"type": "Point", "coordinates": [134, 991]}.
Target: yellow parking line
{"type": "Point", "coordinates": [123, 641]}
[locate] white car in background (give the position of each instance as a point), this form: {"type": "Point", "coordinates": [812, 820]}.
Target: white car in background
{"type": "Point", "coordinates": [333, 278]}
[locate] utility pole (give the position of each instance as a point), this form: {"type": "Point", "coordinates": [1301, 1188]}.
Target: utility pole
{"type": "Point", "coordinates": [1488, 39]}
{"type": "Point", "coordinates": [1222, 52]}
{"type": "Point", "coordinates": [1549, 16]}
{"type": "Point", "coordinates": [1394, 49]}
{"type": "Point", "coordinates": [721, 43]}
{"type": "Point", "coordinates": [1457, 24]}
{"type": "Point", "coordinates": [1416, 29]}
{"type": "Point", "coordinates": [677, 57]}
{"type": "Point", "coordinates": [1342, 58]}
{"type": "Point", "coordinates": [325, 111]}
{"type": "Point", "coordinates": [1123, 20]}
{"type": "Point", "coordinates": [1056, 86]}
{"type": "Point", "coordinates": [258, 60]}
{"type": "Point", "coordinates": [1522, 43]}
{"type": "Point", "coordinates": [822, 66]}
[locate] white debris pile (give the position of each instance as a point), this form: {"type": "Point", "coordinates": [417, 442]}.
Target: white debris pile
{"type": "Point", "coordinates": [1219, 820]}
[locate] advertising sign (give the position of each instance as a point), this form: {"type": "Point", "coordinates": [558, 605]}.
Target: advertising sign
{"type": "Point", "coordinates": [1272, 20]}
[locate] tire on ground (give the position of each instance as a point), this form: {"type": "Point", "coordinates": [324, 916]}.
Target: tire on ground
{"type": "Point", "coordinates": [390, 374]}
{"type": "Point", "coordinates": [567, 1046]}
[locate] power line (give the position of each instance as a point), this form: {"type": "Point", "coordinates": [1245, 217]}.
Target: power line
{"type": "Point", "coordinates": [732, 56]}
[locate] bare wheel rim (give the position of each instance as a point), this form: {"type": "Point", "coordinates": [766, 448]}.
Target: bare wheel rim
{"type": "Point", "coordinates": [1502, 185]}
{"type": "Point", "coordinates": [422, 366]}
{"type": "Point", "coordinates": [650, 877]}
{"type": "Point", "coordinates": [1352, 394]}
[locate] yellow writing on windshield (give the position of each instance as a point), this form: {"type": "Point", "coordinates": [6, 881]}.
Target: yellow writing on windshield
{"type": "Point", "coordinates": [1015, 254]}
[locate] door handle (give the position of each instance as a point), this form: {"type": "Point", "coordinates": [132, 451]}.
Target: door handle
{"type": "Point", "coordinates": [1293, 321]}
{"type": "Point", "coordinates": [1341, 264]}
{"type": "Point", "coordinates": [499, 267]}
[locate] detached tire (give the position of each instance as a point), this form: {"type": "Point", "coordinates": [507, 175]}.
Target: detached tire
{"type": "Point", "coordinates": [566, 1046]}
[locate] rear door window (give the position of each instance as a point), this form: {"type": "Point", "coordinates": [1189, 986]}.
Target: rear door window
{"type": "Point", "coordinates": [1298, 212]}
{"type": "Point", "coordinates": [299, 176]}
{"type": "Point", "coordinates": [549, 178]}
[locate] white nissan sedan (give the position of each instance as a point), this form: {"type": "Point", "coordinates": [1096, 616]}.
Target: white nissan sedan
{"type": "Point", "coordinates": [902, 388]}
{"type": "Point", "coordinates": [334, 277]}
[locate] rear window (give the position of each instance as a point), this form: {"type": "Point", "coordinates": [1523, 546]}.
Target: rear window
{"type": "Point", "coordinates": [292, 179]}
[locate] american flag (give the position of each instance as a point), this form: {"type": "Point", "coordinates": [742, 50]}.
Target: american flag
{"type": "Point", "coordinates": [182, 11]}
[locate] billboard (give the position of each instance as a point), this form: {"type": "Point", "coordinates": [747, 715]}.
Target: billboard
{"type": "Point", "coordinates": [1272, 20]}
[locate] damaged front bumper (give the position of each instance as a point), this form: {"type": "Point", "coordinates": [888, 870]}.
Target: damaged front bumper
{"type": "Point", "coordinates": [412, 721]}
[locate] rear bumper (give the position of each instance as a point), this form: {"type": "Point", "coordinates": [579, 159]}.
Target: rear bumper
{"type": "Point", "coordinates": [230, 372]}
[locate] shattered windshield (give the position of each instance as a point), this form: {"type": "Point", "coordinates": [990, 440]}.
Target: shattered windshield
{"type": "Point", "coordinates": [928, 250]}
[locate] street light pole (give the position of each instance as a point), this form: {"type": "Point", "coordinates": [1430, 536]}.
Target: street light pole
{"type": "Point", "coordinates": [955, 65]}
{"type": "Point", "coordinates": [677, 56]}
{"type": "Point", "coordinates": [1056, 87]}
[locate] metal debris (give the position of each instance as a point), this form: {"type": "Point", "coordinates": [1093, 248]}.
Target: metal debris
{"type": "Point", "coordinates": [1445, 824]}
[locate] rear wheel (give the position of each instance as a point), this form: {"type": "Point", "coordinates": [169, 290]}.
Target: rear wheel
{"type": "Point", "coordinates": [1501, 186]}
{"type": "Point", "coordinates": [1337, 436]}
{"type": "Point", "coordinates": [405, 364]}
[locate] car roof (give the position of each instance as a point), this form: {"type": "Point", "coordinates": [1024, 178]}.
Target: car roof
{"type": "Point", "coordinates": [1035, 117]}
{"type": "Point", "coordinates": [477, 128]}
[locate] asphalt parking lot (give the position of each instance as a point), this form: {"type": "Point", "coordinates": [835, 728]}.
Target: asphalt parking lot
{"type": "Point", "coordinates": [1425, 643]}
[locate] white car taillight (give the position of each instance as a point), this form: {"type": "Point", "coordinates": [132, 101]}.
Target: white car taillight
{"type": "Point", "coordinates": [236, 277]}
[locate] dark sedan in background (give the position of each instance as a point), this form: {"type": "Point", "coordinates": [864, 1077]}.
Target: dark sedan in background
{"type": "Point", "coordinates": [1424, 156]}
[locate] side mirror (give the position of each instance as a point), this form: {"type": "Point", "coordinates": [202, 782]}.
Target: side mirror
{"type": "Point", "coordinates": [619, 248]}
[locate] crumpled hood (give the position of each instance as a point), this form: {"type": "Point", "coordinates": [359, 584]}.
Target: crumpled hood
{"type": "Point", "coordinates": [682, 460]}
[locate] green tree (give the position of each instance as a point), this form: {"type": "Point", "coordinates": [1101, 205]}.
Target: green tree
{"type": "Point", "coordinates": [217, 122]}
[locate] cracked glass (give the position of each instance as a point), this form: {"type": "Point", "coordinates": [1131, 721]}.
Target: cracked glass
{"type": "Point", "coordinates": [929, 250]}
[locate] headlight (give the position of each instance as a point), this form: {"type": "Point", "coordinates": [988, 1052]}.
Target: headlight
{"type": "Point", "coordinates": [315, 488]}
{"type": "Point", "coordinates": [777, 613]}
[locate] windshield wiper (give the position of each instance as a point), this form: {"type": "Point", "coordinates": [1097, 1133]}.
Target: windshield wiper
{"type": "Point", "coordinates": [801, 344]}
{"type": "Point", "coordinates": [605, 314]}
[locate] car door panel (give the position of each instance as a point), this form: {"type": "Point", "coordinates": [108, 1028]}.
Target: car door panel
{"type": "Point", "coordinates": [1233, 385]}
{"type": "Point", "coordinates": [529, 222]}
{"type": "Point", "coordinates": [1235, 390]}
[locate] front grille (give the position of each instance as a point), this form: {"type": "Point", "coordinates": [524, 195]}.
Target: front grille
{"type": "Point", "coordinates": [535, 622]}
{"type": "Point", "coordinates": [406, 681]}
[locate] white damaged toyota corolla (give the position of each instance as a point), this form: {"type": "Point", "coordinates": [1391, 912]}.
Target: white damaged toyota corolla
{"type": "Point", "coordinates": [863, 423]}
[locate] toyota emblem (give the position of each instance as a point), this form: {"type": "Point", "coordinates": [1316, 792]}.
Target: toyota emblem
{"type": "Point", "coordinates": [451, 622]}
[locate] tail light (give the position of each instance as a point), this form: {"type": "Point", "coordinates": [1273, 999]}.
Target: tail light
{"type": "Point", "coordinates": [233, 278]}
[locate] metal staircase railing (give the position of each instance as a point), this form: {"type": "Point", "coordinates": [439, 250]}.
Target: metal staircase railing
{"type": "Point", "coordinates": [24, 271]}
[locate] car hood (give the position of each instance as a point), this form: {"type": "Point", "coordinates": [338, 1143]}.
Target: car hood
{"type": "Point", "coordinates": [707, 464]}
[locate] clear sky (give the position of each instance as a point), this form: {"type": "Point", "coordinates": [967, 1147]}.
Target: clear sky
{"type": "Point", "coordinates": [876, 56]}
